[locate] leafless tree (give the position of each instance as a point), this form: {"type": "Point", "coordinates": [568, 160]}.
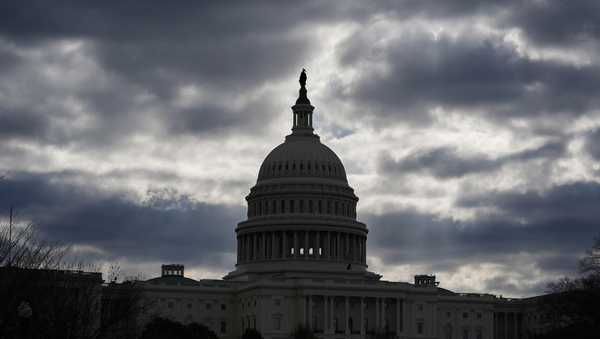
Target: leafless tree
{"type": "Point", "coordinates": [44, 295]}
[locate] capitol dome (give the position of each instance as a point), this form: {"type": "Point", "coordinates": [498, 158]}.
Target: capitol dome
{"type": "Point", "coordinates": [302, 156]}
{"type": "Point", "coordinates": [302, 212]}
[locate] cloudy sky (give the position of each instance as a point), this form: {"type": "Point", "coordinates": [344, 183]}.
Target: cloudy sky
{"type": "Point", "coordinates": [469, 129]}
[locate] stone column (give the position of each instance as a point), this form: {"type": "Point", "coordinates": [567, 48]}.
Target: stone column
{"type": "Point", "coordinates": [434, 321]}
{"type": "Point", "coordinates": [347, 249]}
{"type": "Point", "coordinates": [255, 250]}
{"type": "Point", "coordinates": [239, 249]}
{"type": "Point", "coordinates": [329, 247]}
{"type": "Point", "coordinates": [356, 248]}
{"type": "Point", "coordinates": [338, 246]}
{"type": "Point", "coordinates": [362, 317]}
{"type": "Point", "coordinates": [247, 247]}
{"type": "Point", "coordinates": [273, 246]}
{"type": "Point", "coordinates": [250, 246]}
{"type": "Point", "coordinates": [306, 244]}
{"type": "Point", "coordinates": [383, 318]}
{"type": "Point", "coordinates": [365, 251]}
{"type": "Point", "coordinates": [397, 316]}
{"type": "Point", "coordinates": [318, 248]}
{"type": "Point", "coordinates": [264, 249]}
{"type": "Point", "coordinates": [347, 315]}
{"type": "Point", "coordinates": [506, 325]}
{"type": "Point", "coordinates": [377, 321]}
{"type": "Point", "coordinates": [310, 318]}
{"type": "Point", "coordinates": [284, 248]}
{"type": "Point", "coordinates": [325, 314]}
{"type": "Point", "coordinates": [303, 310]}
{"type": "Point", "coordinates": [295, 244]}
{"type": "Point", "coordinates": [331, 311]}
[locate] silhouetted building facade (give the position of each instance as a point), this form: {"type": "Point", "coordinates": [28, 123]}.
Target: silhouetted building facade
{"type": "Point", "coordinates": [301, 260]}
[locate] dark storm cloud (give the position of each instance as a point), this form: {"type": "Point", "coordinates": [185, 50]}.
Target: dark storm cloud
{"type": "Point", "coordinates": [445, 162]}
{"type": "Point", "coordinates": [557, 22]}
{"type": "Point", "coordinates": [151, 51]}
{"type": "Point", "coordinates": [557, 225]}
{"type": "Point", "coordinates": [233, 44]}
{"type": "Point", "coordinates": [166, 227]}
{"type": "Point", "coordinates": [480, 73]}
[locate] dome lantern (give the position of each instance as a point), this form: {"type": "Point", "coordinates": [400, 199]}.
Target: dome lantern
{"type": "Point", "coordinates": [302, 110]}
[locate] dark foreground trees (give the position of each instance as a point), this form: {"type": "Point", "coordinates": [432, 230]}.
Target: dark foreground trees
{"type": "Point", "coordinates": [251, 333]}
{"type": "Point", "coordinates": [161, 328]}
{"type": "Point", "coordinates": [303, 332]}
{"type": "Point", "coordinates": [43, 296]}
{"type": "Point", "coordinates": [573, 306]}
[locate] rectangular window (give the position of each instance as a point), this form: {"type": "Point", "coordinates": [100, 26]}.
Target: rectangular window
{"type": "Point", "coordinates": [277, 322]}
{"type": "Point", "coordinates": [465, 315]}
{"type": "Point", "coordinates": [223, 307]}
{"type": "Point", "coordinates": [223, 327]}
{"type": "Point", "coordinates": [208, 306]}
{"type": "Point", "coordinates": [465, 334]}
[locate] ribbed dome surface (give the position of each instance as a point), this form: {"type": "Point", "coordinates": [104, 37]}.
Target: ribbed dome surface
{"type": "Point", "coordinates": [302, 156]}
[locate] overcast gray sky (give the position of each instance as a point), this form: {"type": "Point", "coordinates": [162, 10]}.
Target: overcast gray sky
{"type": "Point", "coordinates": [469, 129]}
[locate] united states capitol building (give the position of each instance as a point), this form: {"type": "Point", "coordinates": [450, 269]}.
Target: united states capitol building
{"type": "Point", "coordinates": [302, 260]}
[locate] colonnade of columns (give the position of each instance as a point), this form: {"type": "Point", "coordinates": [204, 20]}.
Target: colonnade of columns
{"type": "Point", "coordinates": [317, 245]}
{"type": "Point", "coordinates": [273, 206]}
{"type": "Point", "coordinates": [353, 315]}
{"type": "Point", "coordinates": [508, 325]}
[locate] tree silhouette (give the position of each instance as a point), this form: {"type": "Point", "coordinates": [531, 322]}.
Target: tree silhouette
{"type": "Point", "coordinates": [303, 332]}
{"type": "Point", "coordinates": [45, 296]}
{"type": "Point", "coordinates": [572, 305]}
{"type": "Point", "coordinates": [161, 328]}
